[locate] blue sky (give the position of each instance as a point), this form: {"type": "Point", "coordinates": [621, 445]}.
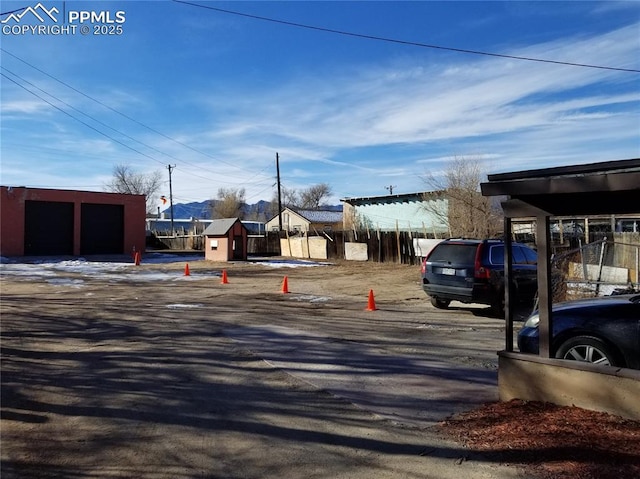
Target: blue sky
{"type": "Point", "coordinates": [218, 94]}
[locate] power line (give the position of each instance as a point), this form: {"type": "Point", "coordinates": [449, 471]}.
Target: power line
{"type": "Point", "coordinates": [115, 130]}
{"type": "Point", "coordinates": [79, 120]}
{"type": "Point", "coordinates": [87, 115]}
{"type": "Point", "coordinates": [97, 121]}
{"type": "Point", "coordinates": [404, 42]}
{"type": "Point", "coordinates": [137, 122]}
{"type": "Point", "coordinates": [259, 193]}
{"type": "Point", "coordinates": [13, 11]}
{"type": "Point", "coordinates": [257, 182]}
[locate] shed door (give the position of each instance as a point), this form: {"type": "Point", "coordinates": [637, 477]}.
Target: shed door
{"type": "Point", "coordinates": [102, 229]}
{"type": "Point", "coordinates": [238, 252]}
{"type": "Point", "coordinates": [48, 228]}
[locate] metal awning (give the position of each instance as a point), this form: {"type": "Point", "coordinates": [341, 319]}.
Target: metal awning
{"type": "Point", "coordinates": [593, 189]}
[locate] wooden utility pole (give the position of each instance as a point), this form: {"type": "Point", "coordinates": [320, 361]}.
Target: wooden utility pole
{"type": "Point", "coordinates": [279, 193]}
{"type": "Point", "coordinates": [170, 168]}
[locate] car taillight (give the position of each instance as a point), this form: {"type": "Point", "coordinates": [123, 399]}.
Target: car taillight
{"type": "Point", "coordinates": [480, 272]}
{"type": "Point", "coordinates": [423, 268]}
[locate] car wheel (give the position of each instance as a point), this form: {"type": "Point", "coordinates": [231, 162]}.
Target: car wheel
{"type": "Point", "coordinates": [587, 349]}
{"type": "Point", "coordinates": [440, 303]}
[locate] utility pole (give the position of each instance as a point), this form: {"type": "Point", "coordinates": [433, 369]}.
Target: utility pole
{"type": "Point", "coordinates": [279, 193]}
{"type": "Point", "coordinates": [170, 168]}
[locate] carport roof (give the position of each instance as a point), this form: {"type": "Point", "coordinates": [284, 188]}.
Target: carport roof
{"type": "Point", "coordinates": [596, 188]}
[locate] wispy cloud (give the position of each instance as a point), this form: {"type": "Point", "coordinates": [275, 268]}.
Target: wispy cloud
{"type": "Point", "coordinates": [354, 125]}
{"type": "Point", "coordinates": [429, 103]}
{"type": "Point", "coordinates": [27, 107]}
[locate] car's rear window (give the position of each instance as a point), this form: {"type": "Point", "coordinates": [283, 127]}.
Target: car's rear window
{"type": "Point", "coordinates": [497, 254]}
{"type": "Point", "coordinates": [454, 253]}
{"type": "Point", "coordinates": [521, 255]}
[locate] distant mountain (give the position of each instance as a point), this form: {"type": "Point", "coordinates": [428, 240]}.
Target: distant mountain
{"type": "Point", "coordinates": [201, 211]}
{"type": "Point", "coordinates": [260, 211]}
{"type": "Point", "coordinates": [332, 208]}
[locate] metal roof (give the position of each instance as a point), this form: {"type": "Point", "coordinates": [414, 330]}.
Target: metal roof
{"type": "Point", "coordinates": [314, 216]}
{"type": "Point", "coordinates": [220, 227]}
{"type": "Point", "coordinates": [321, 216]}
{"type": "Point", "coordinates": [393, 198]}
{"type": "Point", "coordinates": [596, 188]}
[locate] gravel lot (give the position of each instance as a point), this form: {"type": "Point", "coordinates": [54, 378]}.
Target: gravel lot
{"type": "Point", "coordinates": [116, 370]}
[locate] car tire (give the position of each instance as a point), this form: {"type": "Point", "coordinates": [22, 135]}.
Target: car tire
{"type": "Point", "coordinates": [587, 349]}
{"type": "Point", "coordinates": [440, 303]}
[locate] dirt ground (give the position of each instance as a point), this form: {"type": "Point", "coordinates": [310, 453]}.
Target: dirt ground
{"type": "Point", "coordinates": [110, 375]}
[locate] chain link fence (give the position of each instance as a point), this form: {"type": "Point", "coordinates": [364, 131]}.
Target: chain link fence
{"type": "Point", "coordinates": [600, 268]}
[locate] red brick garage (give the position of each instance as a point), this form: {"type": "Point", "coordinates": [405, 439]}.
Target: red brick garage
{"type": "Point", "coordinates": [44, 222]}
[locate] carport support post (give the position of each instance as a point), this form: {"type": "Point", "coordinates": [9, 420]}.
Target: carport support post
{"type": "Point", "coordinates": [543, 242]}
{"type": "Point", "coordinates": [508, 293]}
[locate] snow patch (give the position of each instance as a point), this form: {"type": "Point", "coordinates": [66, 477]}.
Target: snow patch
{"type": "Point", "coordinates": [311, 299]}
{"type": "Point", "coordinates": [73, 283]}
{"type": "Point", "coordinates": [51, 269]}
{"type": "Point", "coordinates": [290, 263]}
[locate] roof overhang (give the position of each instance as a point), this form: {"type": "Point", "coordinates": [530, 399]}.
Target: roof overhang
{"type": "Point", "coordinates": [580, 190]}
{"type": "Point", "coordinates": [394, 198]}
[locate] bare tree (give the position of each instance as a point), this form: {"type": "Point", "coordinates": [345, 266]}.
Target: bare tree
{"type": "Point", "coordinates": [229, 204]}
{"type": "Point", "coordinates": [125, 180]}
{"type": "Point", "coordinates": [468, 213]}
{"type": "Point", "coordinates": [272, 209]}
{"type": "Point", "coordinates": [290, 197]}
{"type": "Point", "coordinates": [313, 197]}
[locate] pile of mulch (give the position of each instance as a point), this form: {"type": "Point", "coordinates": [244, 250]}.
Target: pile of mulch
{"type": "Point", "coordinates": [551, 441]}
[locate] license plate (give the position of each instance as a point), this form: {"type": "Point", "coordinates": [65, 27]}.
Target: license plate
{"type": "Point", "coordinates": [449, 271]}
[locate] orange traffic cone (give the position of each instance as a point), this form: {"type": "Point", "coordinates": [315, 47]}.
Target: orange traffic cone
{"type": "Point", "coordinates": [224, 279]}
{"type": "Point", "coordinates": [285, 285]}
{"type": "Point", "coordinates": [186, 270]}
{"type": "Point", "coordinates": [371, 306]}
{"type": "Point", "coordinates": [137, 258]}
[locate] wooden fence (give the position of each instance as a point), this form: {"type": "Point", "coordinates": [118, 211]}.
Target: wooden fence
{"type": "Point", "coordinates": [381, 246]}
{"type": "Point", "coordinates": [268, 245]}
{"type": "Point", "coordinates": [399, 247]}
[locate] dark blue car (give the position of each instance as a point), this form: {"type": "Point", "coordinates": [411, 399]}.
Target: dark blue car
{"type": "Point", "coordinates": [602, 331]}
{"type": "Point", "coordinates": [472, 271]}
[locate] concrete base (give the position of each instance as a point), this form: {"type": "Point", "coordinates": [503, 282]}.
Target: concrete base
{"type": "Point", "coordinates": [569, 383]}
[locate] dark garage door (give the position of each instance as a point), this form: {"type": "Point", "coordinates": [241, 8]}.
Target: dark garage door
{"type": "Point", "coordinates": [102, 229]}
{"type": "Point", "coordinates": [48, 228]}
